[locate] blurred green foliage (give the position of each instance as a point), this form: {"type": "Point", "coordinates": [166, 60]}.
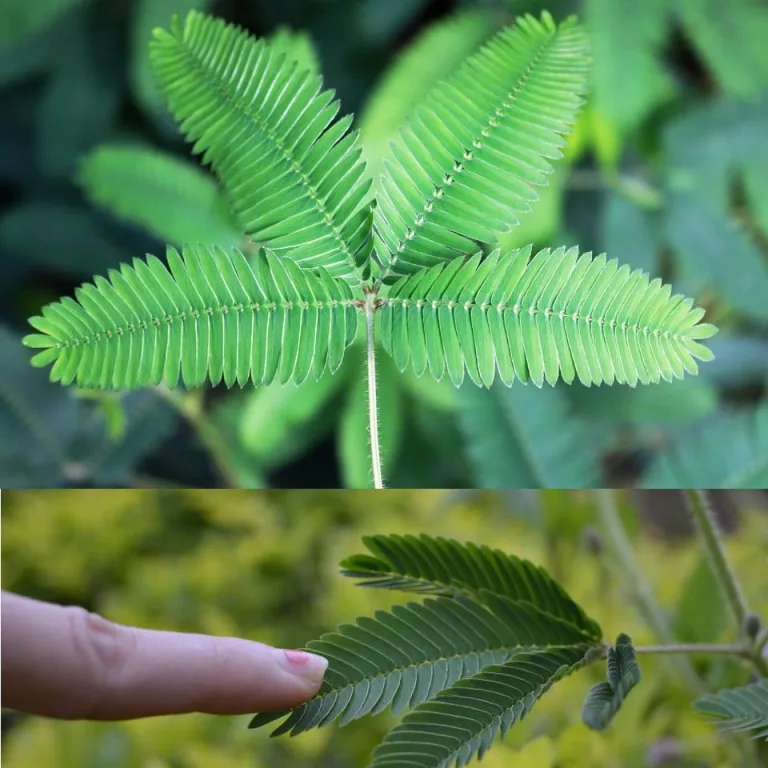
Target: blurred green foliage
{"type": "Point", "coordinates": [667, 170]}
{"type": "Point", "coordinates": [264, 566]}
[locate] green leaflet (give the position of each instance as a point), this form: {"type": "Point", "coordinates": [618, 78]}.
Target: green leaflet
{"type": "Point", "coordinates": [212, 316]}
{"type": "Point", "coordinates": [605, 699]}
{"type": "Point", "coordinates": [522, 437]}
{"type": "Point", "coordinates": [434, 55]}
{"type": "Point", "coordinates": [294, 178]}
{"type": "Point", "coordinates": [466, 159]}
{"type": "Point", "coordinates": [697, 459]}
{"type": "Point", "coordinates": [469, 662]}
{"type": "Point", "coordinates": [463, 721]}
{"type": "Point", "coordinates": [430, 565]}
{"type": "Point", "coordinates": [556, 315]}
{"type": "Point", "coordinates": [173, 199]}
{"type": "Point", "coordinates": [740, 710]}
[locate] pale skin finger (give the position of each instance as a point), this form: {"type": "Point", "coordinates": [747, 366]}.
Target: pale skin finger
{"type": "Point", "coordinates": [66, 662]}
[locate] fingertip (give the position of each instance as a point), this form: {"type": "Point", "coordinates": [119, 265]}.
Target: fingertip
{"type": "Point", "coordinates": [309, 668]}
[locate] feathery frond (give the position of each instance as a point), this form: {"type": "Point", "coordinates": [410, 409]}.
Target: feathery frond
{"type": "Point", "coordinates": [464, 720]}
{"type": "Point", "coordinates": [212, 316]}
{"type": "Point", "coordinates": [407, 656]}
{"type": "Point", "coordinates": [605, 699]}
{"type": "Point", "coordinates": [294, 178]}
{"type": "Point", "coordinates": [466, 159]}
{"type": "Point", "coordinates": [441, 566]}
{"type": "Point", "coordinates": [739, 710]}
{"type": "Point", "coordinates": [556, 315]}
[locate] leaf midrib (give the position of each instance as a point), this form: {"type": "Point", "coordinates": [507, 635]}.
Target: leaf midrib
{"type": "Point", "coordinates": [511, 649]}
{"type": "Point", "coordinates": [142, 326]}
{"type": "Point", "coordinates": [503, 307]}
{"type": "Point", "coordinates": [444, 590]}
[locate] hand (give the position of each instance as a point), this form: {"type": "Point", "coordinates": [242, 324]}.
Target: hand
{"type": "Point", "coordinates": [66, 662]}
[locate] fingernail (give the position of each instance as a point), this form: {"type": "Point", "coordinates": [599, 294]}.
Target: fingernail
{"type": "Point", "coordinates": [306, 665]}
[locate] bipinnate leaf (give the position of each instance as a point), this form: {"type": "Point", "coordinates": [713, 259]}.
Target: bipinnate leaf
{"type": "Point", "coordinates": [467, 158]}
{"type": "Point", "coordinates": [463, 721]}
{"type": "Point", "coordinates": [294, 178]}
{"type": "Point", "coordinates": [605, 699]}
{"type": "Point", "coordinates": [556, 315]}
{"type": "Point", "coordinates": [440, 566]}
{"type": "Point", "coordinates": [407, 655]}
{"type": "Point", "coordinates": [740, 710]}
{"type": "Point", "coordinates": [211, 315]}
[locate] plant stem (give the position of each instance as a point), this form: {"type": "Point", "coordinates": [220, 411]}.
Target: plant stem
{"type": "Point", "coordinates": [707, 648]}
{"type": "Point", "coordinates": [190, 407]}
{"type": "Point", "coordinates": [643, 596]}
{"type": "Point", "coordinates": [373, 408]}
{"type": "Point", "coordinates": [713, 544]}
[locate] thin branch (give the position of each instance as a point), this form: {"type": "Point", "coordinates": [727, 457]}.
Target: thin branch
{"type": "Point", "coordinates": [697, 648]}
{"type": "Point", "coordinates": [713, 544]}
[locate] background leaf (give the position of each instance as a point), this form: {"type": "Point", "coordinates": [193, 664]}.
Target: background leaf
{"type": "Point", "coordinates": [171, 198]}
{"type": "Point", "coordinates": [525, 437]}
{"type": "Point", "coordinates": [20, 19]}
{"type": "Point", "coordinates": [697, 460]}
